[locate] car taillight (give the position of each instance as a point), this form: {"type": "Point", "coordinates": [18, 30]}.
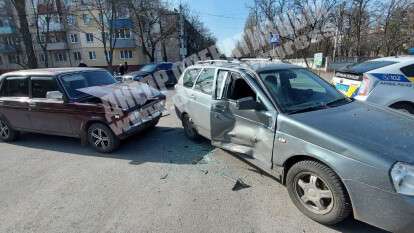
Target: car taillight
{"type": "Point", "coordinates": [366, 85]}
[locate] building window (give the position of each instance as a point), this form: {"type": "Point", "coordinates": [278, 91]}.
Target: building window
{"type": "Point", "coordinates": [74, 38]}
{"type": "Point", "coordinates": [126, 54]}
{"type": "Point", "coordinates": [42, 57]}
{"type": "Point", "coordinates": [92, 55]}
{"type": "Point", "coordinates": [89, 37]}
{"type": "Point", "coordinates": [60, 57]}
{"type": "Point", "coordinates": [1, 60]}
{"type": "Point", "coordinates": [87, 19]}
{"type": "Point", "coordinates": [77, 56]}
{"type": "Point", "coordinates": [14, 59]}
{"type": "Point", "coordinates": [123, 33]}
{"type": "Point", "coordinates": [71, 20]}
{"type": "Point", "coordinates": [108, 55]}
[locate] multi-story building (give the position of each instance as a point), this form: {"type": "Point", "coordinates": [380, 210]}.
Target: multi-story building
{"type": "Point", "coordinates": [66, 33]}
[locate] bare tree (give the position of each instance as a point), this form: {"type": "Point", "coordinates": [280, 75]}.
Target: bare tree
{"type": "Point", "coordinates": [20, 6]}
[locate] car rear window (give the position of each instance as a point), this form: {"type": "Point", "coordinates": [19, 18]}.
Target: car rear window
{"type": "Point", "coordinates": [367, 66]}
{"type": "Point", "coordinates": [15, 87]}
{"type": "Point", "coordinates": [408, 70]}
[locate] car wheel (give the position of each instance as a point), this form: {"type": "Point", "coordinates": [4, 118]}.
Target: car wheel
{"type": "Point", "coordinates": [7, 134]}
{"type": "Point", "coordinates": [318, 192]}
{"type": "Point", "coordinates": [189, 129]}
{"type": "Point", "coordinates": [404, 107]}
{"type": "Point", "coordinates": [102, 139]}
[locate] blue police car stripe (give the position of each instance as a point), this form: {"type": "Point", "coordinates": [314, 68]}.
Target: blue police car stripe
{"type": "Point", "coordinates": [391, 77]}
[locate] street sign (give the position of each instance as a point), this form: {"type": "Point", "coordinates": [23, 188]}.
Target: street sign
{"type": "Point", "coordinates": [318, 59]}
{"type": "Point", "coordinates": [275, 39]}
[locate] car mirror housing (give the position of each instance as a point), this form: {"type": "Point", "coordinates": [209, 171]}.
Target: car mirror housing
{"type": "Point", "coordinates": [55, 95]}
{"type": "Point", "coordinates": [247, 103]}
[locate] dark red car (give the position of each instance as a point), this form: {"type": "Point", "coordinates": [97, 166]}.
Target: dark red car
{"type": "Point", "coordinates": [85, 103]}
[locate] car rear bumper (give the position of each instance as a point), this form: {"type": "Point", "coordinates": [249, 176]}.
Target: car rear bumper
{"type": "Point", "coordinates": [387, 210]}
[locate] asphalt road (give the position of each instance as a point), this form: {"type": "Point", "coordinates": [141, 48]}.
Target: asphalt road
{"type": "Point", "coordinates": [156, 182]}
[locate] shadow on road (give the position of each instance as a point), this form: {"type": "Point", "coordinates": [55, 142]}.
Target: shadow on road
{"type": "Point", "coordinates": [160, 145]}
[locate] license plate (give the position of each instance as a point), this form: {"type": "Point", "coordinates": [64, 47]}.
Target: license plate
{"type": "Point", "coordinates": [342, 87]}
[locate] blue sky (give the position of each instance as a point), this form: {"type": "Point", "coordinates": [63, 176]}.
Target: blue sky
{"type": "Point", "coordinates": [224, 18]}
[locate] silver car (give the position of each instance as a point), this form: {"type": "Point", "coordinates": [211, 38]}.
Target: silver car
{"type": "Point", "coordinates": [336, 155]}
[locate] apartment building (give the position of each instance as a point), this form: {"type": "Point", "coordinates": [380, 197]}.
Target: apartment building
{"type": "Point", "coordinates": [66, 33]}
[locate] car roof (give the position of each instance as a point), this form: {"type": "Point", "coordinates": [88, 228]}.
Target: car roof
{"type": "Point", "coordinates": [50, 71]}
{"type": "Point", "coordinates": [257, 66]}
{"type": "Point", "coordinates": [396, 58]}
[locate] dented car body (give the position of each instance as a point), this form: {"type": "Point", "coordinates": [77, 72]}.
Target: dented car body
{"type": "Point", "coordinates": [84, 103]}
{"type": "Point", "coordinates": [336, 155]}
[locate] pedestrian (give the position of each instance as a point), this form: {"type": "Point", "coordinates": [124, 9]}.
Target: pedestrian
{"type": "Point", "coordinates": [121, 69]}
{"type": "Point", "coordinates": [126, 67]}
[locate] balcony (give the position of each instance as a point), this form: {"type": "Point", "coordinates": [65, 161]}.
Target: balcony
{"type": "Point", "coordinates": [57, 46]}
{"type": "Point", "coordinates": [7, 30]}
{"type": "Point", "coordinates": [6, 48]}
{"type": "Point", "coordinates": [125, 43]}
{"type": "Point", "coordinates": [122, 23]}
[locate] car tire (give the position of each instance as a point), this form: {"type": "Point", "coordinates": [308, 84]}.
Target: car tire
{"type": "Point", "coordinates": [189, 129]}
{"type": "Point", "coordinates": [102, 139]}
{"type": "Point", "coordinates": [7, 133]}
{"type": "Point", "coordinates": [404, 107]}
{"type": "Point", "coordinates": [318, 192]}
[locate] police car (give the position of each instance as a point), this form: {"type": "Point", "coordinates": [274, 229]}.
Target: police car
{"type": "Point", "coordinates": [387, 81]}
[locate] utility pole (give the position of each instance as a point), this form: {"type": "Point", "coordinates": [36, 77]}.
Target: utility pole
{"type": "Point", "coordinates": [183, 48]}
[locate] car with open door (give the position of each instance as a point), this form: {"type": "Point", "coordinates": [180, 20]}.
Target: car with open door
{"type": "Point", "coordinates": [85, 103]}
{"type": "Point", "coordinates": [336, 155]}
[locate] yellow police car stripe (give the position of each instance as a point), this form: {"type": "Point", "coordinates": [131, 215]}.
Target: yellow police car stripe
{"type": "Point", "coordinates": [351, 90]}
{"type": "Point", "coordinates": [411, 79]}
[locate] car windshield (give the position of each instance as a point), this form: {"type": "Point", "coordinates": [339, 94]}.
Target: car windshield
{"type": "Point", "coordinates": [299, 90]}
{"type": "Point", "coordinates": [74, 82]}
{"type": "Point", "coordinates": [148, 68]}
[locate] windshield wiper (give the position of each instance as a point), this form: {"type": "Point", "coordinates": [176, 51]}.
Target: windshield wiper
{"type": "Point", "coordinates": [308, 109]}
{"type": "Point", "coordinates": [338, 101]}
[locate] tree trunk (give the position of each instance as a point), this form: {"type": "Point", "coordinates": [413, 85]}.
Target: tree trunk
{"type": "Point", "coordinates": [20, 6]}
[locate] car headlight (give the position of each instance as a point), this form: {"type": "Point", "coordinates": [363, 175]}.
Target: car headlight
{"type": "Point", "coordinates": [402, 175]}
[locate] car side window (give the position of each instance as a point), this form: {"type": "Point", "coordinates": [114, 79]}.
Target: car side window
{"type": "Point", "coordinates": [238, 88]}
{"type": "Point", "coordinates": [42, 85]}
{"type": "Point", "coordinates": [205, 81]}
{"type": "Point", "coordinates": [15, 87]}
{"type": "Point", "coordinates": [190, 76]}
{"type": "Point", "coordinates": [408, 71]}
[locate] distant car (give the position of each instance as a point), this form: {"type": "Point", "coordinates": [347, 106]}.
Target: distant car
{"type": "Point", "coordinates": [336, 156]}
{"type": "Point", "coordinates": [56, 102]}
{"type": "Point", "coordinates": [387, 81]}
{"type": "Point", "coordinates": [149, 70]}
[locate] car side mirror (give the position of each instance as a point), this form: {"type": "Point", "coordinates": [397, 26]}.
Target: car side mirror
{"type": "Point", "coordinates": [54, 95]}
{"type": "Point", "coordinates": [247, 103]}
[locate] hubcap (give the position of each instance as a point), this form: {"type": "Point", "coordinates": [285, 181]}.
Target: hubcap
{"type": "Point", "coordinates": [100, 139]}
{"type": "Point", "coordinates": [4, 130]}
{"type": "Point", "coordinates": [314, 193]}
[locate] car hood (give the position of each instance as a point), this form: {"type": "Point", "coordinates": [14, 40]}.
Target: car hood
{"type": "Point", "coordinates": [128, 96]}
{"type": "Point", "coordinates": [357, 128]}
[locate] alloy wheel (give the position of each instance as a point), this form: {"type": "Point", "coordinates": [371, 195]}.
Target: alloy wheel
{"type": "Point", "coordinates": [4, 129]}
{"type": "Point", "coordinates": [100, 139]}
{"type": "Point", "coordinates": [314, 193]}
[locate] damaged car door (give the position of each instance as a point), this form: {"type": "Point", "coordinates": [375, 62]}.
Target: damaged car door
{"type": "Point", "coordinates": [242, 119]}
